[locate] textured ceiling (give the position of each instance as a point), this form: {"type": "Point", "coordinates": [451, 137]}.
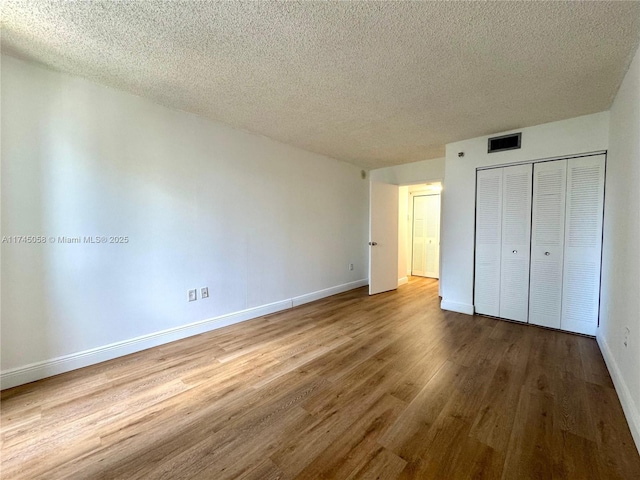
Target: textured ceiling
{"type": "Point", "coordinates": [374, 84]}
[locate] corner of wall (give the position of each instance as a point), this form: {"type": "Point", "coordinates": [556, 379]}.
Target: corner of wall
{"type": "Point", "coordinates": [631, 410]}
{"type": "Point", "coordinates": [619, 303]}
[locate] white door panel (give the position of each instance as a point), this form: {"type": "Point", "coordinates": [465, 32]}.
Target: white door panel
{"type": "Point", "coordinates": [418, 256]}
{"type": "Point", "coordinates": [432, 239]}
{"type": "Point", "coordinates": [516, 231]}
{"type": "Point", "coordinates": [425, 260]}
{"type": "Point", "coordinates": [547, 240]}
{"type": "Point", "coordinates": [583, 244]}
{"type": "Point", "coordinates": [383, 238]}
{"type": "Point", "coordinates": [488, 242]}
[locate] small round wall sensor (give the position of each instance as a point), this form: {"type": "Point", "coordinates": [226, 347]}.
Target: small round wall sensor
{"type": "Point", "coordinates": [460, 154]}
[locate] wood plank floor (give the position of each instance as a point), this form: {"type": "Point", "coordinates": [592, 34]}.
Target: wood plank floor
{"type": "Point", "coordinates": [347, 387]}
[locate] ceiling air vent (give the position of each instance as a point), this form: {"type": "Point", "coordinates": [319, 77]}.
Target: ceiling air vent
{"type": "Point", "coordinates": [506, 142]}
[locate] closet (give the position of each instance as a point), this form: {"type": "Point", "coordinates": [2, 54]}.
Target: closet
{"type": "Point", "coordinates": [538, 242]}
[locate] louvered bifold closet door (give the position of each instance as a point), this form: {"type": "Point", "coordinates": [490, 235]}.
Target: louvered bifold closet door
{"type": "Point", "coordinates": [488, 241]}
{"type": "Point", "coordinates": [583, 244]}
{"type": "Point", "coordinates": [516, 238]}
{"type": "Point", "coordinates": [547, 243]}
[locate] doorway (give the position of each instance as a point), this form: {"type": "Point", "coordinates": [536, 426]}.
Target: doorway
{"type": "Point", "coordinates": [391, 211]}
{"type": "Point", "coordinates": [425, 242]}
{"type": "Point", "coordinates": [419, 231]}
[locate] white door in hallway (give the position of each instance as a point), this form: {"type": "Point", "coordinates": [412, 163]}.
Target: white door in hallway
{"type": "Point", "coordinates": [383, 237]}
{"type": "Point", "coordinates": [425, 260]}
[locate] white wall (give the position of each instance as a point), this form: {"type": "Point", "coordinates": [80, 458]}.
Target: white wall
{"type": "Point", "coordinates": [409, 173]}
{"type": "Point", "coordinates": [567, 137]}
{"type": "Point", "coordinates": [620, 297]}
{"type": "Point", "coordinates": [262, 224]}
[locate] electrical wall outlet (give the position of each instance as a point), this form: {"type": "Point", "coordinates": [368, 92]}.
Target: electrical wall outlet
{"type": "Point", "coordinates": [192, 295]}
{"type": "Point", "coordinates": [627, 331]}
{"type": "Point", "coordinates": [351, 266]}
{"type": "Point", "coordinates": [204, 292]}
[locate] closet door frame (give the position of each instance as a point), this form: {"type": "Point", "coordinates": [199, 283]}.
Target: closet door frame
{"type": "Point", "coordinates": [533, 162]}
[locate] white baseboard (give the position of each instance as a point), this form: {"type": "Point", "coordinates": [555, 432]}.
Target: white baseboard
{"type": "Point", "coordinates": [631, 411]}
{"type": "Point", "coordinates": [402, 281]}
{"type": "Point", "coordinates": [456, 307]}
{"type": "Point", "coordinates": [66, 363]}
{"type": "Point", "coordinates": [327, 292]}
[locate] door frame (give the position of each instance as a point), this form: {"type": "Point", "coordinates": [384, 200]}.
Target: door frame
{"type": "Point", "coordinates": [412, 196]}
{"type": "Point", "coordinates": [420, 181]}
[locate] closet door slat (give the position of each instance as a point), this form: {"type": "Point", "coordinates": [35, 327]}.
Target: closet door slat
{"type": "Point", "coordinates": [488, 242]}
{"type": "Point", "coordinates": [583, 244]}
{"type": "Point", "coordinates": [547, 243]}
{"type": "Point", "coordinates": [516, 237]}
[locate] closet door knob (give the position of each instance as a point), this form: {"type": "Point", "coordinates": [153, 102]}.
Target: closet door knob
{"type": "Point", "coordinates": [547, 253]}
{"type": "Point", "coordinates": [515, 251]}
